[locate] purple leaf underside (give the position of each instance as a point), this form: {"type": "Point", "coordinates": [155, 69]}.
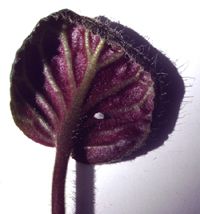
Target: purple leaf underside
{"type": "Point", "coordinates": [73, 86]}
{"type": "Point", "coordinates": [94, 89]}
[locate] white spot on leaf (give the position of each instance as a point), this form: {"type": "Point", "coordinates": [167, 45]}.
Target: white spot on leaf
{"type": "Point", "coordinates": [99, 116]}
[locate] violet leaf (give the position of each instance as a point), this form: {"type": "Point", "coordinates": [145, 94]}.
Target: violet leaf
{"type": "Point", "coordinates": [69, 71]}
{"type": "Point", "coordinates": [90, 88]}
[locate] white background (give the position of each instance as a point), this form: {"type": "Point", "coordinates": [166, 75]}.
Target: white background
{"type": "Point", "coordinates": [166, 180]}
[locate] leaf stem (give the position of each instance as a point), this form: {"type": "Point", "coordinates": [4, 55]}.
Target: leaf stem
{"type": "Point", "coordinates": [59, 177]}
